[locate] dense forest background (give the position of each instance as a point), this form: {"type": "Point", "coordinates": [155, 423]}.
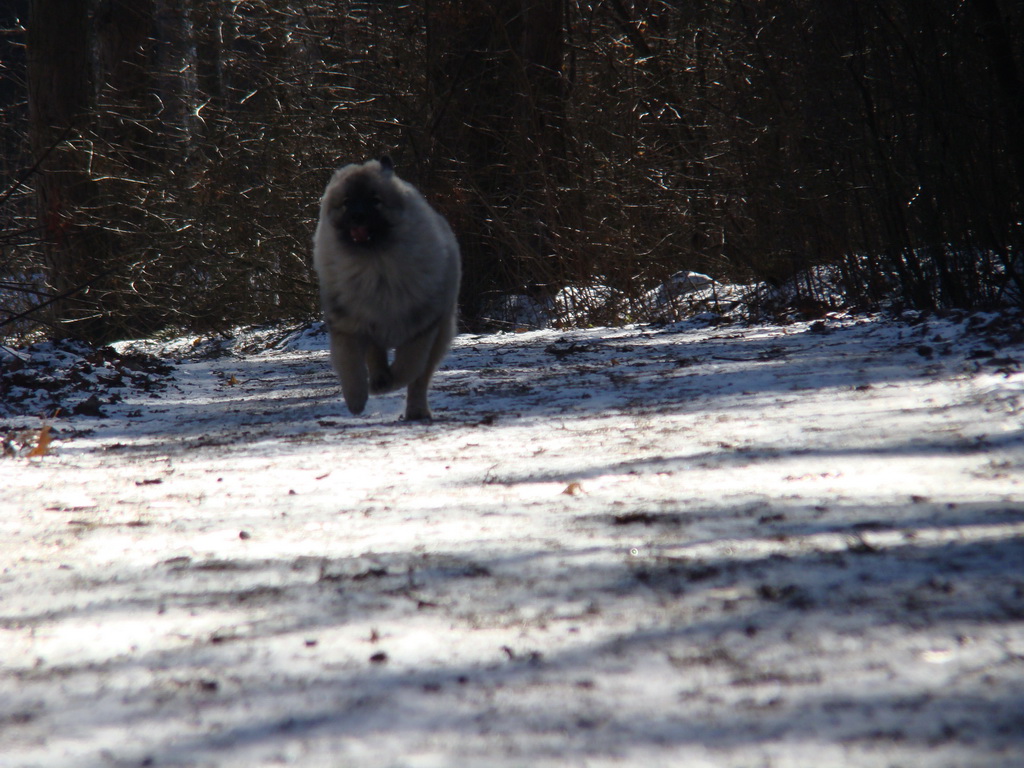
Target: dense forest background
{"type": "Point", "coordinates": [162, 160]}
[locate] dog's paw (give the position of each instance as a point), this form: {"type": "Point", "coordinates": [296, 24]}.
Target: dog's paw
{"type": "Point", "coordinates": [417, 410]}
{"type": "Point", "coordinates": [418, 414]}
{"type": "Point", "coordinates": [355, 406]}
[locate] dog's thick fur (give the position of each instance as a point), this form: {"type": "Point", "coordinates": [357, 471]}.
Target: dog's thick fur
{"type": "Point", "coordinates": [389, 270]}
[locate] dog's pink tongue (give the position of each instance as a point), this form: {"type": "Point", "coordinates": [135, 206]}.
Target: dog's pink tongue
{"type": "Point", "coordinates": [359, 234]}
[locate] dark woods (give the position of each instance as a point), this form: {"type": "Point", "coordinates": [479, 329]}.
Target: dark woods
{"type": "Point", "coordinates": [162, 159]}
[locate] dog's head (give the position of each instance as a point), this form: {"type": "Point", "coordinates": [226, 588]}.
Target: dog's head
{"type": "Point", "coordinates": [364, 203]}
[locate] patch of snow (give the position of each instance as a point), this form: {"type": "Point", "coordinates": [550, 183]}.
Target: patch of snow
{"type": "Point", "coordinates": [699, 544]}
{"type": "Point", "coordinates": [689, 294]}
{"type": "Point", "coordinates": [582, 305]}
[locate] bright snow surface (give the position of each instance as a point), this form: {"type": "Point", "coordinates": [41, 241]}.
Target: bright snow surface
{"type": "Point", "coordinates": [696, 545]}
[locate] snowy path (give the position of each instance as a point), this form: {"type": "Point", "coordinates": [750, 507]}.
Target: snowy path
{"type": "Point", "coordinates": [699, 546]}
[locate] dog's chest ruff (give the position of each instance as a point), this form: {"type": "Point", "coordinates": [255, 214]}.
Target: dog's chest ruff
{"type": "Point", "coordinates": [375, 296]}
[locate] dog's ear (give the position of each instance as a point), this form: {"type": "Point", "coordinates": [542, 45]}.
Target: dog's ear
{"type": "Point", "coordinates": [385, 164]}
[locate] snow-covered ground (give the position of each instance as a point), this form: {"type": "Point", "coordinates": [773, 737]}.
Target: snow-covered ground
{"type": "Point", "coordinates": [696, 545]}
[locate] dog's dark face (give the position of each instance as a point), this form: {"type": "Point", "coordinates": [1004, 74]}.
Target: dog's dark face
{"type": "Point", "coordinates": [364, 206]}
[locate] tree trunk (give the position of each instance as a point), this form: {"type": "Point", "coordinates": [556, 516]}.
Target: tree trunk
{"type": "Point", "coordinates": [495, 71]}
{"type": "Point", "coordinates": [123, 30]}
{"type": "Point", "coordinates": [999, 45]}
{"type": "Point", "coordinates": [59, 100]}
{"type": "Point", "coordinates": [543, 51]}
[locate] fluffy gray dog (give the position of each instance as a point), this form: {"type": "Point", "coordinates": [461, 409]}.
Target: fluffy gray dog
{"type": "Point", "coordinates": [389, 271]}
